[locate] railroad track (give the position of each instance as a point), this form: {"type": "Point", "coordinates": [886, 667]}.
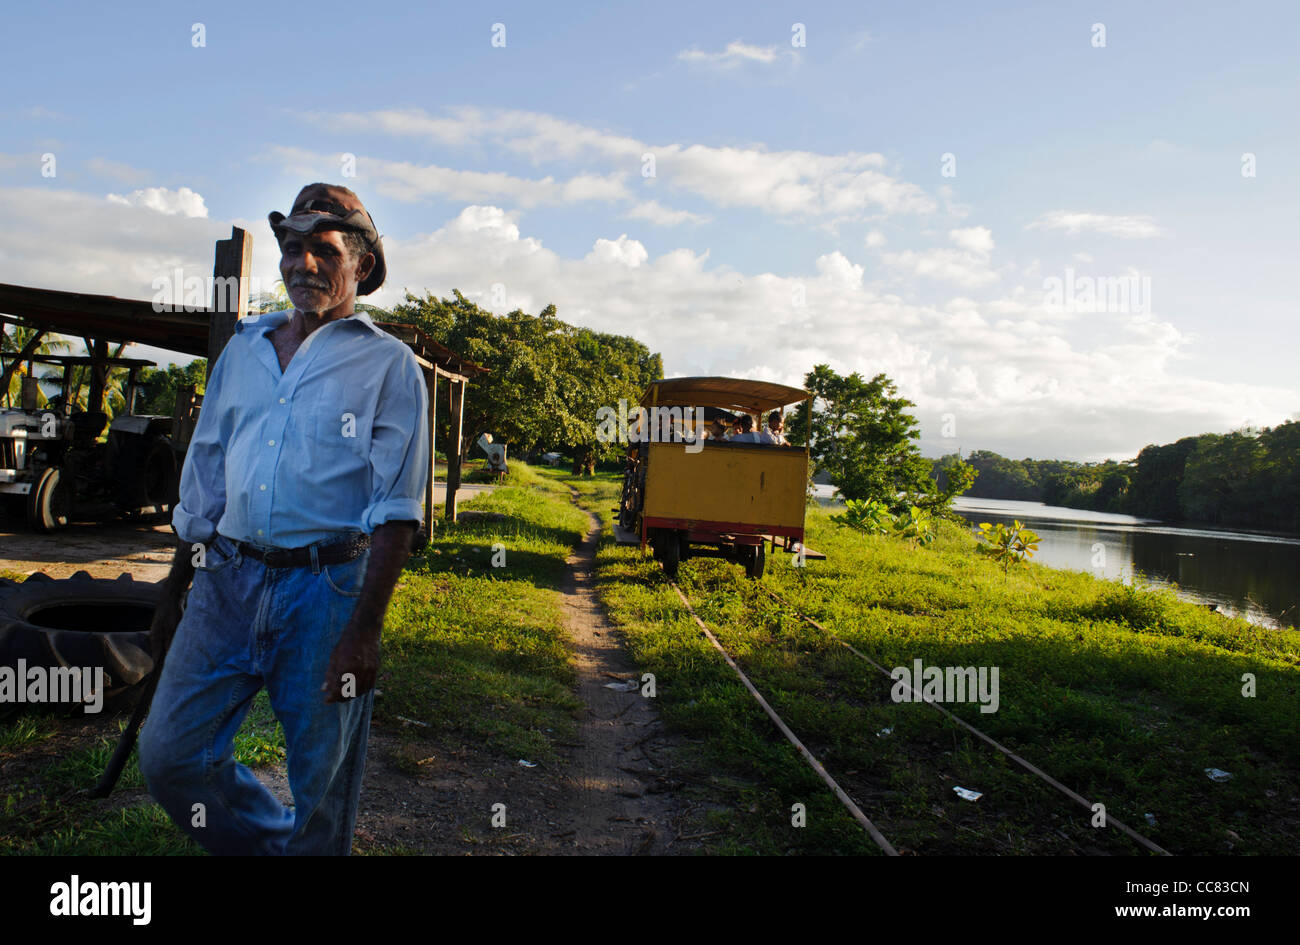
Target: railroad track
{"type": "Point", "coordinates": [843, 796]}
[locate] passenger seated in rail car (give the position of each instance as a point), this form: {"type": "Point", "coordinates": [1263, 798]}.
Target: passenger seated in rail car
{"type": "Point", "coordinates": [717, 429]}
{"type": "Point", "coordinates": [774, 435]}
{"type": "Point", "coordinates": [746, 434]}
{"type": "Point", "coordinates": [719, 422]}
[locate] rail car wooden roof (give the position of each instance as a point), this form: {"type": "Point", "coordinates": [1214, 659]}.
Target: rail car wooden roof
{"type": "Point", "coordinates": [728, 393]}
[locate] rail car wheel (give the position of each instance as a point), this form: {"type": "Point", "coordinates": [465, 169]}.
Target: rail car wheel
{"type": "Point", "coordinates": [670, 552]}
{"type": "Point", "coordinates": [82, 622]}
{"type": "Point", "coordinates": [754, 559]}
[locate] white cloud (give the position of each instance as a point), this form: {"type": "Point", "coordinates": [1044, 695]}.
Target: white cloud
{"type": "Point", "coordinates": [658, 214]}
{"type": "Point", "coordinates": [408, 182]}
{"type": "Point", "coordinates": [61, 239]}
{"type": "Point", "coordinates": [875, 239]}
{"type": "Point", "coordinates": [735, 54]}
{"type": "Point", "coordinates": [1134, 226]}
{"type": "Point", "coordinates": [798, 184]}
{"type": "Point", "coordinates": [183, 202]}
{"type": "Point", "coordinates": [622, 251]}
{"type": "Point", "coordinates": [975, 239]}
{"type": "Point", "coordinates": [967, 266]}
{"type": "Point", "coordinates": [1017, 381]}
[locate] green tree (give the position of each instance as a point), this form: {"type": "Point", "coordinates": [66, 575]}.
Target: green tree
{"type": "Point", "coordinates": [13, 341]}
{"type": "Point", "coordinates": [863, 436]}
{"type": "Point", "coordinates": [158, 386]}
{"type": "Point", "coordinates": [547, 380]}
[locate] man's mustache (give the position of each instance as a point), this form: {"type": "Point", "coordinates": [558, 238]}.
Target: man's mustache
{"type": "Point", "coordinates": [308, 283]}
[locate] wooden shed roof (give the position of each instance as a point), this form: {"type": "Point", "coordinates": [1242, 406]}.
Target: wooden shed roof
{"type": "Point", "coordinates": [109, 318]}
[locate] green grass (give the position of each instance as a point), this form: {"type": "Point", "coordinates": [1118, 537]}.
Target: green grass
{"type": "Point", "coordinates": [45, 809]}
{"type": "Point", "coordinates": [1123, 694]}
{"type": "Point", "coordinates": [479, 653]}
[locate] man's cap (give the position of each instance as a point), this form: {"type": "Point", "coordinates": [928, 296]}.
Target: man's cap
{"type": "Point", "coordinates": [331, 207]}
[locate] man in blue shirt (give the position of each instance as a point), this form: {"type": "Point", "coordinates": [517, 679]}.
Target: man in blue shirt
{"type": "Point", "coordinates": [300, 496]}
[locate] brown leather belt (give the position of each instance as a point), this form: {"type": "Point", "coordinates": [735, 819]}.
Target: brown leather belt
{"type": "Point", "coordinates": [335, 553]}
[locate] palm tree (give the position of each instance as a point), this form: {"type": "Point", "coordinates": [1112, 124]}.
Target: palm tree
{"type": "Point", "coordinates": [13, 339]}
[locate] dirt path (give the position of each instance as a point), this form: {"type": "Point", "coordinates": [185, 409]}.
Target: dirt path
{"type": "Point", "coordinates": [613, 792]}
{"type": "Point", "coordinates": [621, 799]}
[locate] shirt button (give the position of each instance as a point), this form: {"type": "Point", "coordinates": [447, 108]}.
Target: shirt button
{"type": "Point", "coordinates": [270, 442]}
{"type": "Point", "coordinates": [262, 487]}
{"type": "Point", "coordinates": [259, 531]}
{"type": "Point", "coordinates": [281, 400]}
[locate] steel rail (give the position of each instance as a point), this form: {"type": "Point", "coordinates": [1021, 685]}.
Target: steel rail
{"type": "Point", "coordinates": [1108, 820]}
{"type": "Point", "coordinates": [808, 756]}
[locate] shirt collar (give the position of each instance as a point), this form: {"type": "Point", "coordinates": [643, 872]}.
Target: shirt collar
{"type": "Point", "coordinates": [269, 321]}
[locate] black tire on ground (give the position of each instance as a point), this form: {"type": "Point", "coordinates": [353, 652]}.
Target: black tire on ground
{"type": "Point", "coordinates": [82, 622]}
{"type": "Point", "coordinates": [49, 504]}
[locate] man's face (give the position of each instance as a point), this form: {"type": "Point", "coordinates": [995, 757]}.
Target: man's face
{"type": "Point", "coordinates": [319, 272]}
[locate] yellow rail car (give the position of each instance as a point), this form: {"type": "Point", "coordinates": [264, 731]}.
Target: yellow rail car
{"type": "Point", "coordinates": [688, 494]}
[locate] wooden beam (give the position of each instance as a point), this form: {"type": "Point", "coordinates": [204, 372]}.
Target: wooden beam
{"type": "Point", "coordinates": [234, 258]}
{"type": "Point", "coordinates": [97, 348]}
{"type": "Point", "coordinates": [432, 377]}
{"type": "Point", "coordinates": [453, 447]}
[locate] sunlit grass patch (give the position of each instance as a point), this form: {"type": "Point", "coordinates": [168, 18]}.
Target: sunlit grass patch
{"type": "Point", "coordinates": [1127, 696]}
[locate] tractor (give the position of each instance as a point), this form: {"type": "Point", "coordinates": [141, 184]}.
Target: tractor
{"type": "Point", "coordinates": [54, 465]}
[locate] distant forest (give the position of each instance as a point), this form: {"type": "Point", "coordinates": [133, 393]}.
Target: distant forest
{"type": "Point", "coordinates": [1249, 478]}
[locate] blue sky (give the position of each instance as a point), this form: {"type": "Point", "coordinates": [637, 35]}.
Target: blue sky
{"type": "Point", "coordinates": [799, 211]}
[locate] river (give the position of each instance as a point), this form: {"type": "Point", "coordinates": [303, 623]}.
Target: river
{"type": "Point", "coordinates": [1246, 574]}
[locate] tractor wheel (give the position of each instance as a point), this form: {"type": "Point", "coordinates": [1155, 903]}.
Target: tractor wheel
{"type": "Point", "coordinates": [49, 504]}
{"type": "Point", "coordinates": [146, 473]}
{"type": "Point", "coordinates": [81, 622]}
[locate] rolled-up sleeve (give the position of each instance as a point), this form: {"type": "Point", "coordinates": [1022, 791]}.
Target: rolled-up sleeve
{"type": "Point", "coordinates": [399, 447]}
{"type": "Point", "coordinates": [203, 477]}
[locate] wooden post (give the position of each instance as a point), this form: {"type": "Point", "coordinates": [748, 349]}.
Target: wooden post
{"type": "Point", "coordinates": [97, 348]}
{"type": "Point", "coordinates": [29, 389]}
{"type": "Point", "coordinates": [433, 462]}
{"type": "Point", "coordinates": [129, 396]}
{"type": "Point", "coordinates": [453, 447]}
{"type": "Point", "coordinates": [233, 260]}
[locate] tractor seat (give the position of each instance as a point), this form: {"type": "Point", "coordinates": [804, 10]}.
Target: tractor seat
{"type": "Point", "coordinates": [86, 427]}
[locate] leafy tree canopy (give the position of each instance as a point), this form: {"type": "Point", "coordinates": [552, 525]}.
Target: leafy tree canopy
{"type": "Point", "coordinates": [863, 436]}
{"type": "Point", "coordinates": [548, 378]}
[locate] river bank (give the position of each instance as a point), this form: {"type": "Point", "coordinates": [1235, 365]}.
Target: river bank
{"type": "Point", "coordinates": [1239, 573]}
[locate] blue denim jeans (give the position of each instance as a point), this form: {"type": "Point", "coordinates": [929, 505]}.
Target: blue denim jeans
{"type": "Point", "coordinates": [246, 626]}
